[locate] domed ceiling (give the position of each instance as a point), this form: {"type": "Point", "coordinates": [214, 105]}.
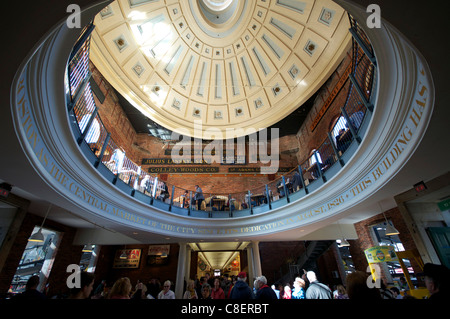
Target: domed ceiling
{"type": "Point", "coordinates": [194, 65]}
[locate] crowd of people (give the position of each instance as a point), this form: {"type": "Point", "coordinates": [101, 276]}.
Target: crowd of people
{"type": "Point", "coordinates": [304, 286]}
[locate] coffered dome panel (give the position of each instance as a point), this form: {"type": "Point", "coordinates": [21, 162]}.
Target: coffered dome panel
{"type": "Point", "coordinates": [230, 64]}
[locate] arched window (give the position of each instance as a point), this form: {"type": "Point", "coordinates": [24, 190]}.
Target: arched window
{"type": "Point", "coordinates": [340, 124]}
{"type": "Point", "coordinates": [313, 158]}
{"type": "Point", "coordinates": [94, 131]}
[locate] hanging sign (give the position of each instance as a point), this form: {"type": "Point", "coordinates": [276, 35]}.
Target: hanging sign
{"type": "Point", "coordinates": [158, 250]}
{"type": "Point", "coordinates": [192, 170]}
{"type": "Point", "coordinates": [379, 254]}
{"type": "Point", "coordinates": [158, 255]}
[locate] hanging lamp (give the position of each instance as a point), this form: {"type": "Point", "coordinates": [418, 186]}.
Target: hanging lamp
{"type": "Point", "coordinates": [38, 236]}
{"type": "Point", "coordinates": [390, 229]}
{"type": "Point", "coordinates": [344, 242]}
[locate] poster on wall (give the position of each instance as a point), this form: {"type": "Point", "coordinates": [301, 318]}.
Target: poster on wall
{"type": "Point", "coordinates": [201, 264]}
{"type": "Point", "coordinates": [127, 258]}
{"type": "Point", "coordinates": [158, 255]}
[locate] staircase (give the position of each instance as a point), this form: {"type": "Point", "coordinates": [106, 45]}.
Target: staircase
{"type": "Point", "coordinates": [307, 261]}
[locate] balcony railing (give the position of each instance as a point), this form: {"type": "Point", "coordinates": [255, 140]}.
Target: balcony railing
{"type": "Point", "coordinates": [325, 161]}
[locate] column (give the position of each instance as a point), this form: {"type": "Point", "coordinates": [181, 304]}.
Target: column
{"type": "Point", "coordinates": [256, 259]}
{"type": "Point", "coordinates": [181, 271]}
{"type": "Point", "coordinates": [187, 273]}
{"type": "Point", "coordinates": [251, 270]}
{"type": "Point", "coordinates": [340, 265]}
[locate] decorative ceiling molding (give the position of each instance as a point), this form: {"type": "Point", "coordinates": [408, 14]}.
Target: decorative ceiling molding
{"type": "Point", "coordinates": [259, 65]}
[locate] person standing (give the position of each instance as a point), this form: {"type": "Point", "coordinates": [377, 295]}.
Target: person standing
{"type": "Point", "coordinates": [263, 291]}
{"type": "Point", "coordinates": [185, 201]}
{"type": "Point", "coordinates": [357, 288]}
{"type": "Point", "coordinates": [299, 289]}
{"type": "Point", "coordinates": [317, 290]}
{"type": "Point", "coordinates": [31, 292]}
{"type": "Point", "coordinates": [206, 291]}
{"type": "Point", "coordinates": [198, 197]}
{"type": "Point", "coordinates": [190, 292]}
{"type": "Point", "coordinates": [437, 281]}
{"type": "Point", "coordinates": [121, 289]}
{"type": "Point", "coordinates": [86, 286]}
{"type": "Point", "coordinates": [217, 292]}
{"type": "Point", "coordinates": [296, 181]}
{"type": "Point", "coordinates": [341, 292]}
{"type": "Point", "coordinates": [140, 292]}
{"type": "Point", "coordinates": [287, 292]}
{"type": "Point", "coordinates": [396, 293]}
{"type": "Point", "coordinates": [166, 293]}
{"type": "Point", "coordinates": [241, 290]}
{"type": "Point", "coordinates": [154, 287]}
{"type": "Point", "coordinates": [200, 284]}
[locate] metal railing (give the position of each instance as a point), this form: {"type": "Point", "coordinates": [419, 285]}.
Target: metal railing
{"type": "Point", "coordinates": [323, 162]}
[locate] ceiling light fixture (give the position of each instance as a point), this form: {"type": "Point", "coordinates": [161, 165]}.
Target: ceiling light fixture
{"type": "Point", "coordinates": [390, 229]}
{"type": "Point", "coordinates": [344, 242]}
{"type": "Point", "coordinates": [88, 248]}
{"type": "Point", "coordinates": [38, 236]}
{"type": "Point", "coordinates": [123, 255]}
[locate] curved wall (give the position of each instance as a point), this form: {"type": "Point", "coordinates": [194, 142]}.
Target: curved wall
{"type": "Point", "coordinates": [403, 106]}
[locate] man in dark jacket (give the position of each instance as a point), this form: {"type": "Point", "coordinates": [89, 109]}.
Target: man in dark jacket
{"type": "Point", "coordinates": [31, 291]}
{"type": "Point", "coordinates": [296, 181]}
{"type": "Point", "coordinates": [241, 290]}
{"type": "Point", "coordinates": [437, 281]}
{"type": "Point", "coordinates": [264, 292]}
{"type": "Point", "coordinates": [317, 290]}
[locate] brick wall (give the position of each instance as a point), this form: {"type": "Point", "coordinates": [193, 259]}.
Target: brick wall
{"type": "Point", "coordinates": [66, 254]}
{"type": "Point", "coordinates": [366, 241]}
{"type": "Point", "coordinates": [328, 268]}
{"type": "Point", "coordinates": [275, 257]}
{"type": "Point", "coordinates": [105, 271]}
{"type": "Point", "coordinates": [309, 139]}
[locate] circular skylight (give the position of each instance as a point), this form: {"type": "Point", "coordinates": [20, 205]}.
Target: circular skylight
{"type": "Point", "coordinates": [217, 5]}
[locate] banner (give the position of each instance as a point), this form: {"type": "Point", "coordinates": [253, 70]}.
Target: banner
{"type": "Point", "coordinates": [158, 255]}
{"type": "Point", "coordinates": [192, 170]}
{"type": "Point", "coordinates": [379, 254]}
{"type": "Point", "coordinates": [158, 250]}
{"type": "Point", "coordinates": [127, 258]}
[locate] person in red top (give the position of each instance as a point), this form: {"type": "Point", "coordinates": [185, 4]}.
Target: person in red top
{"type": "Point", "coordinates": [217, 292]}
